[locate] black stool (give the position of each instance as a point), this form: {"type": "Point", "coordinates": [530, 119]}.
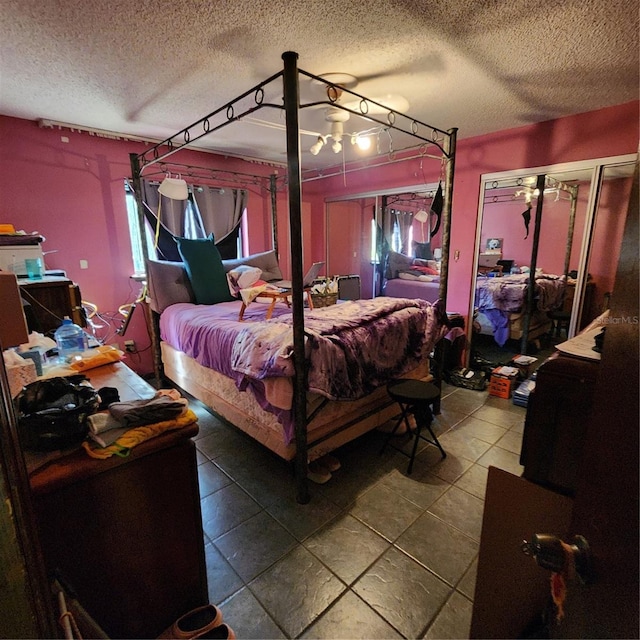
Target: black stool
{"type": "Point", "coordinates": [414, 396]}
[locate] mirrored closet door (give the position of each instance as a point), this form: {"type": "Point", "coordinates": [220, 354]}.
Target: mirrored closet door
{"type": "Point", "coordinates": [362, 229]}
{"type": "Point", "coordinates": [547, 242]}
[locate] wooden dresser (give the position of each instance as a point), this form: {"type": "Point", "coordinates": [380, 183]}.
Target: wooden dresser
{"type": "Point", "coordinates": [125, 533]}
{"type": "Point", "coordinates": [557, 415]}
{"type": "Point", "coordinates": [51, 299]}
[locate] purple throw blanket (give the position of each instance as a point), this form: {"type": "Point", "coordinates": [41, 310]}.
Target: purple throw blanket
{"type": "Point", "coordinates": [352, 348]}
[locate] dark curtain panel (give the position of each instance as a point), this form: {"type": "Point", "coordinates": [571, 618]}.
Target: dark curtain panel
{"type": "Point", "coordinates": [220, 212]}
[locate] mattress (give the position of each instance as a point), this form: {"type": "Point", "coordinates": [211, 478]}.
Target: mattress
{"type": "Point", "coordinates": [332, 423]}
{"type": "Point", "coordinates": [401, 288]}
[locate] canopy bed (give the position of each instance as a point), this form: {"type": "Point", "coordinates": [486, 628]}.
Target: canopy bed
{"type": "Point", "coordinates": [318, 407]}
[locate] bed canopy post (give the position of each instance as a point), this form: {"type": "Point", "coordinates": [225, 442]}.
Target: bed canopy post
{"type": "Point", "coordinates": [134, 159]}
{"type": "Point", "coordinates": [534, 258]}
{"type": "Point", "coordinates": [573, 191]}
{"type": "Point", "coordinates": [274, 213]}
{"type": "Point", "coordinates": [291, 107]}
{"type": "Point", "coordinates": [447, 196]}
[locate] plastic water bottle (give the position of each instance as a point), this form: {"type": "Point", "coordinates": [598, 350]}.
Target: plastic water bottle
{"type": "Point", "coordinates": [70, 339]}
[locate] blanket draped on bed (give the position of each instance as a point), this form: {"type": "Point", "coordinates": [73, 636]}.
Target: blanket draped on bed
{"type": "Point", "coordinates": [351, 348]}
{"type": "Point", "coordinates": [498, 297]}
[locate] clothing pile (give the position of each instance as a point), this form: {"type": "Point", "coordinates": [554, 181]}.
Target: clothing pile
{"type": "Point", "coordinates": [123, 425]}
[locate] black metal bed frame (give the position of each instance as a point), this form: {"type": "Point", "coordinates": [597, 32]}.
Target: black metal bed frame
{"type": "Point", "coordinates": [425, 136]}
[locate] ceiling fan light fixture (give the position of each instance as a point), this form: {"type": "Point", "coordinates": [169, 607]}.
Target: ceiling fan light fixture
{"type": "Point", "coordinates": [336, 146]}
{"type": "Point", "coordinates": [315, 148]}
{"type": "Point", "coordinates": [362, 142]}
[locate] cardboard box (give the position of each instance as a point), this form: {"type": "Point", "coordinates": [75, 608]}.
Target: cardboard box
{"type": "Point", "coordinates": [502, 381]}
{"type": "Point", "coordinates": [20, 375]}
{"type": "Point", "coordinates": [524, 364]}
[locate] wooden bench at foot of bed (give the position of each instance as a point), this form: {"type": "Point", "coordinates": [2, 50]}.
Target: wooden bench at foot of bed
{"type": "Point", "coordinates": [335, 424]}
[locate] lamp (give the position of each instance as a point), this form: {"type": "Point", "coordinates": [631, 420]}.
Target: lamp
{"type": "Point", "coordinates": [174, 188]}
{"type": "Point", "coordinates": [421, 216]}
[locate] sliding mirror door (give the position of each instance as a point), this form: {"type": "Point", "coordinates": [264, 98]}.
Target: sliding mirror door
{"type": "Point", "coordinates": [547, 244]}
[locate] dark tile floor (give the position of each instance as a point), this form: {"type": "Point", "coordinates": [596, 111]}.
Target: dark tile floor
{"type": "Point", "coordinates": [376, 553]}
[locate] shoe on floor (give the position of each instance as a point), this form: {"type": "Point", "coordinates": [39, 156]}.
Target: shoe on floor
{"type": "Point", "coordinates": [196, 621]}
{"type": "Point", "coordinates": [329, 462]}
{"type": "Point", "coordinates": [317, 473]}
{"type": "Point", "coordinates": [221, 632]}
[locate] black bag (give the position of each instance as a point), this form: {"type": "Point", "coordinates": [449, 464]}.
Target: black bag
{"type": "Point", "coordinates": [52, 413]}
{"type": "Point", "coordinates": [466, 378]}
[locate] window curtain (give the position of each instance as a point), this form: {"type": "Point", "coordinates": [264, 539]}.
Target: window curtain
{"type": "Point", "coordinates": [208, 210]}
{"type": "Point", "coordinates": [404, 220]}
{"type": "Point", "coordinates": [220, 212]}
{"type": "Point", "coordinates": [172, 220]}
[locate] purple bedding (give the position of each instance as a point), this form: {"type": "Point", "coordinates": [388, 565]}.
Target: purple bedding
{"type": "Point", "coordinates": [498, 297]}
{"type": "Point", "coordinates": [352, 348]}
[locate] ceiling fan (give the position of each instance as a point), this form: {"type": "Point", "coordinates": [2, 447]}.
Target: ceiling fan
{"type": "Point", "coordinates": [337, 116]}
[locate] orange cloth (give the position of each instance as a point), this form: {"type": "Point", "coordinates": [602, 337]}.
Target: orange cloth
{"type": "Point", "coordinates": [135, 436]}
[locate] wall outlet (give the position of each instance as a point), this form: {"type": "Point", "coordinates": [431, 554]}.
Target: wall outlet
{"type": "Point", "coordinates": [130, 346]}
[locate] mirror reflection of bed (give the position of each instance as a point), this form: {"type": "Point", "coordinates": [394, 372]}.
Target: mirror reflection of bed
{"type": "Point", "coordinates": [391, 240]}
{"type": "Point", "coordinates": [572, 247]}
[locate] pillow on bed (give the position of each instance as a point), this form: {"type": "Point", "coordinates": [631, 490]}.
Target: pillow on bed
{"type": "Point", "coordinates": [397, 262]}
{"type": "Point", "coordinates": [417, 276]}
{"type": "Point", "coordinates": [204, 268]}
{"type": "Point", "coordinates": [267, 261]}
{"type": "Point", "coordinates": [242, 277]}
{"type": "Point", "coordinates": [168, 284]}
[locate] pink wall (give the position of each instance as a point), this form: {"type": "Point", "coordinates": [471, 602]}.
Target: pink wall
{"type": "Point", "coordinates": [606, 132]}
{"type": "Point", "coordinates": [72, 193]}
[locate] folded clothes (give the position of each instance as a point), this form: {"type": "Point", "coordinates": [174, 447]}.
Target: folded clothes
{"type": "Point", "coordinates": [132, 437]}
{"type": "Point", "coordinates": [136, 413]}
{"type": "Point", "coordinates": [101, 422]}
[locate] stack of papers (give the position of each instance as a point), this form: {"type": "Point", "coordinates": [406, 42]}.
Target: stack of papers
{"type": "Point", "coordinates": [507, 372]}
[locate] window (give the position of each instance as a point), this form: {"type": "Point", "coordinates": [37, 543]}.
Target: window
{"type": "Point", "coordinates": [134, 233]}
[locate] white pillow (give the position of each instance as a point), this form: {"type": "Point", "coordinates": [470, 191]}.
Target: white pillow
{"type": "Point", "coordinates": [242, 277]}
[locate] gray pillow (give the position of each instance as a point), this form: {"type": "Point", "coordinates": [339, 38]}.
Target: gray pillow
{"type": "Point", "coordinates": [266, 261]}
{"type": "Point", "coordinates": [397, 262]}
{"type": "Point", "coordinates": [168, 284]}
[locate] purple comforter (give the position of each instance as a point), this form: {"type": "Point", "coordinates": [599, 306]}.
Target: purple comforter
{"type": "Point", "coordinates": [508, 293]}
{"type": "Point", "coordinates": [498, 297]}
{"type": "Point", "coordinates": [352, 347]}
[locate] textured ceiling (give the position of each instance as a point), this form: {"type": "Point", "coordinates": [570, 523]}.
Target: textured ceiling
{"type": "Point", "coordinates": [151, 68]}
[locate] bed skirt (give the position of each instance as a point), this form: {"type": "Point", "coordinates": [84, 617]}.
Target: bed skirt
{"type": "Point", "coordinates": [333, 423]}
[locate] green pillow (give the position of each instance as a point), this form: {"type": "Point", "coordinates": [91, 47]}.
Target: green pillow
{"type": "Point", "coordinates": [204, 268]}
